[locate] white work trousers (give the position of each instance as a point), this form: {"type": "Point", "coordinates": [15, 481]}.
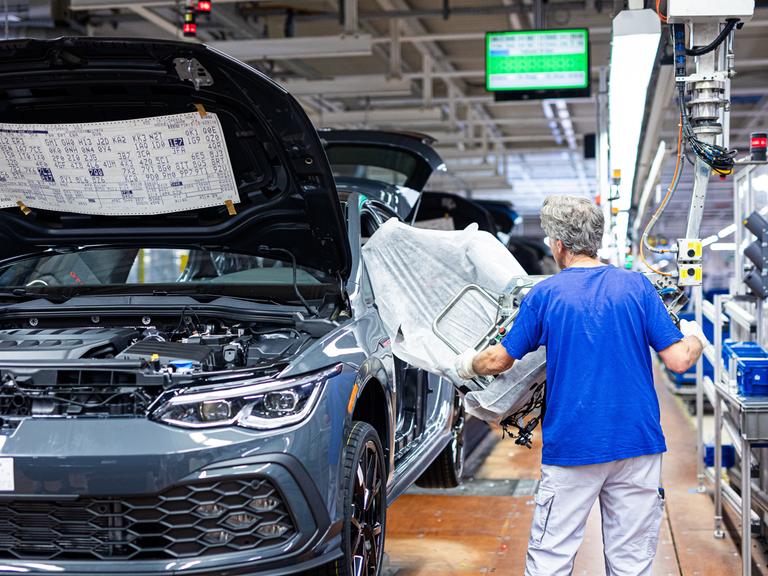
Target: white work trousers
{"type": "Point", "coordinates": [631, 506]}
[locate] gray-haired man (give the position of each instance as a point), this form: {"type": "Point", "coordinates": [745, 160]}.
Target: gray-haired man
{"type": "Point", "coordinates": [602, 436]}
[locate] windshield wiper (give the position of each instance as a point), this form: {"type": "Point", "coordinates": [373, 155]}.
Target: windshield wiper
{"type": "Point", "coordinates": [22, 294]}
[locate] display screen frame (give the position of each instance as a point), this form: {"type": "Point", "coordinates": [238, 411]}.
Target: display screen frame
{"type": "Point", "coordinates": [533, 93]}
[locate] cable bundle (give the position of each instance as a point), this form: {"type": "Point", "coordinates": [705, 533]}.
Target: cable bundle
{"type": "Point", "coordinates": [720, 159]}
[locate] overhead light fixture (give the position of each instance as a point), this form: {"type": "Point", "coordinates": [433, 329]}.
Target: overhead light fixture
{"type": "Point", "coordinates": [297, 48]}
{"type": "Point", "coordinates": [357, 85]}
{"type": "Point", "coordinates": [379, 117]}
{"type": "Point", "coordinates": [723, 246]}
{"type": "Point", "coordinates": [634, 48]}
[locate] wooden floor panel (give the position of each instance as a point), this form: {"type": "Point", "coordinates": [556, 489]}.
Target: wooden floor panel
{"type": "Point", "coordinates": [458, 535]}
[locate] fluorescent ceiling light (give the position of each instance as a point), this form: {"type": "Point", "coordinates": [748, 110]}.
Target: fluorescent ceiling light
{"type": "Point", "coordinates": [727, 231]}
{"type": "Point", "coordinates": [723, 246]}
{"type": "Point", "coordinates": [297, 48]}
{"type": "Point", "coordinates": [634, 47]}
{"type": "Point", "coordinates": [381, 116]}
{"type": "Point", "coordinates": [709, 240]}
{"type": "Point", "coordinates": [367, 84]}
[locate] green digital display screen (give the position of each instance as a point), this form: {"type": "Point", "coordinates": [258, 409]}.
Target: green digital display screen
{"type": "Point", "coordinates": [537, 60]}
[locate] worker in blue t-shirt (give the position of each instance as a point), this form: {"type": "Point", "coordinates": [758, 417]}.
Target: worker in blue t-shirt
{"type": "Point", "coordinates": [601, 431]}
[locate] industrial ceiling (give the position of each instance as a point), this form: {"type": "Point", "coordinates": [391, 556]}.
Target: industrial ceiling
{"type": "Point", "coordinates": [418, 65]}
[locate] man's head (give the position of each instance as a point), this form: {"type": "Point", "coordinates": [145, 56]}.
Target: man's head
{"type": "Point", "coordinates": [574, 226]}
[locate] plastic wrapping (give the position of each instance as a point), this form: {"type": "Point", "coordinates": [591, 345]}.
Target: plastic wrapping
{"type": "Point", "coordinates": [415, 274]}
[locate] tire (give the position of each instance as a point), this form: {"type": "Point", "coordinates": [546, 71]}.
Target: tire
{"type": "Point", "coordinates": [448, 468]}
{"type": "Point", "coordinates": [363, 533]}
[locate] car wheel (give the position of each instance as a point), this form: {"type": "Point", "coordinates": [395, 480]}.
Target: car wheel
{"type": "Point", "coordinates": [448, 468]}
{"type": "Point", "coordinates": [365, 505]}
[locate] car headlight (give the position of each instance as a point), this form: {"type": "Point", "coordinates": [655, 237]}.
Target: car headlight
{"type": "Point", "coordinates": [264, 406]}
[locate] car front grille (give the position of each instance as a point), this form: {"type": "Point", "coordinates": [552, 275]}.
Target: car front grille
{"type": "Point", "coordinates": [186, 521]}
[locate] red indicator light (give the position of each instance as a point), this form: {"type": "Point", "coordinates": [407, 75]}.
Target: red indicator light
{"type": "Point", "coordinates": [758, 143]}
{"type": "Point", "coordinates": [204, 6]}
{"type": "Point", "coordinates": [190, 29]}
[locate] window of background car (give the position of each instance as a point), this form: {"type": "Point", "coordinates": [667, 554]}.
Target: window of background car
{"type": "Point", "coordinates": [371, 163]}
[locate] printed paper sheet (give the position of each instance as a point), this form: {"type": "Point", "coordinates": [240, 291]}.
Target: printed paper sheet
{"type": "Point", "coordinates": [129, 167]}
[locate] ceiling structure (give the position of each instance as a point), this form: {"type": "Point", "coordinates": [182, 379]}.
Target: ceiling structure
{"type": "Point", "coordinates": [418, 65]}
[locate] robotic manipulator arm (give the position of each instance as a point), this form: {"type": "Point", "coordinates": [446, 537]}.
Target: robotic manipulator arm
{"type": "Point", "coordinates": [704, 101]}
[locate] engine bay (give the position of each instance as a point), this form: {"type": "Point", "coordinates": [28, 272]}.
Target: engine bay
{"type": "Point", "coordinates": [121, 370]}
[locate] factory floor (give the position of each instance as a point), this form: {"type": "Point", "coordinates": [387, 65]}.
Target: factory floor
{"type": "Point", "coordinates": [482, 527]}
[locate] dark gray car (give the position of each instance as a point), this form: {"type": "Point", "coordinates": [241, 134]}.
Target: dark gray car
{"type": "Point", "coordinates": [204, 392]}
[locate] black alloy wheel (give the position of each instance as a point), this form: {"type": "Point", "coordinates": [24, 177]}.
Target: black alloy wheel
{"type": "Point", "coordinates": [367, 535]}
{"type": "Point", "coordinates": [365, 505]}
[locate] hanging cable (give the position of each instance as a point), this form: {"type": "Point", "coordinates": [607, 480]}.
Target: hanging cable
{"type": "Point", "coordinates": [658, 11]}
{"type": "Point", "coordinates": [720, 159]}
{"type": "Point", "coordinates": [660, 209]}
{"type": "Point", "coordinates": [730, 24]}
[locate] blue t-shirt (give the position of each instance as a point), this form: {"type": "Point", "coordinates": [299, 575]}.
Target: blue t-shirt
{"type": "Point", "coordinates": [598, 325]}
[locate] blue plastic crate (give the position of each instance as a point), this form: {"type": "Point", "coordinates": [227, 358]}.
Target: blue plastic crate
{"type": "Point", "coordinates": [737, 349]}
{"type": "Point", "coordinates": [752, 376]}
{"type": "Point", "coordinates": [728, 458]}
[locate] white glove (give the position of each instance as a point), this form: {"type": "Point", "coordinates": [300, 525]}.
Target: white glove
{"type": "Point", "coordinates": [463, 364]}
{"type": "Point", "coordinates": [691, 328]}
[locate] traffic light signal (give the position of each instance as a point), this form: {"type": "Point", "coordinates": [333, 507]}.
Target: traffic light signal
{"type": "Point", "coordinates": [757, 253]}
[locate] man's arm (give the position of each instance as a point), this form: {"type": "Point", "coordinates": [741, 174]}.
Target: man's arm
{"type": "Point", "coordinates": [490, 362]}
{"type": "Point", "coordinates": [493, 360]}
{"type": "Point", "coordinates": [686, 352]}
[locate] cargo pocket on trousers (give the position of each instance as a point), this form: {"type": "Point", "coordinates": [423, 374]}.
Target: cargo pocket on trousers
{"type": "Point", "coordinates": [544, 499]}
{"type": "Point", "coordinates": [654, 527]}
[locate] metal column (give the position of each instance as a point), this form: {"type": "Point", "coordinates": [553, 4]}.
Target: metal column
{"type": "Point", "coordinates": [718, 408]}
{"type": "Point", "coordinates": [746, 507]}
{"type": "Point", "coordinates": [697, 306]}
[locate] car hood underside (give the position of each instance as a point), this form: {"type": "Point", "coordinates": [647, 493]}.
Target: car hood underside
{"type": "Point", "coordinates": [287, 194]}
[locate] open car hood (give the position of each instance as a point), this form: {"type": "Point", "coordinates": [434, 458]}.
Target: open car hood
{"type": "Point", "coordinates": [287, 195]}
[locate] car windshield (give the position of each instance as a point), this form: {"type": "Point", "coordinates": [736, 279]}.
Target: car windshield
{"type": "Point", "coordinates": [145, 268]}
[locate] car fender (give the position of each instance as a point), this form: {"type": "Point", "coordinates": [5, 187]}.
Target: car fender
{"type": "Point", "coordinates": [372, 372]}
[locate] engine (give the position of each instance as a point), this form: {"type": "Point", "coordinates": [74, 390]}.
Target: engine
{"type": "Point", "coordinates": [120, 371]}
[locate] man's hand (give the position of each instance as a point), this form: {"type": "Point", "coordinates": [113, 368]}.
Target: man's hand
{"type": "Point", "coordinates": [463, 364]}
{"type": "Point", "coordinates": [691, 328]}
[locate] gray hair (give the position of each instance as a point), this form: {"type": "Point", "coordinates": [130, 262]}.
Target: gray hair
{"type": "Point", "coordinates": [576, 222]}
